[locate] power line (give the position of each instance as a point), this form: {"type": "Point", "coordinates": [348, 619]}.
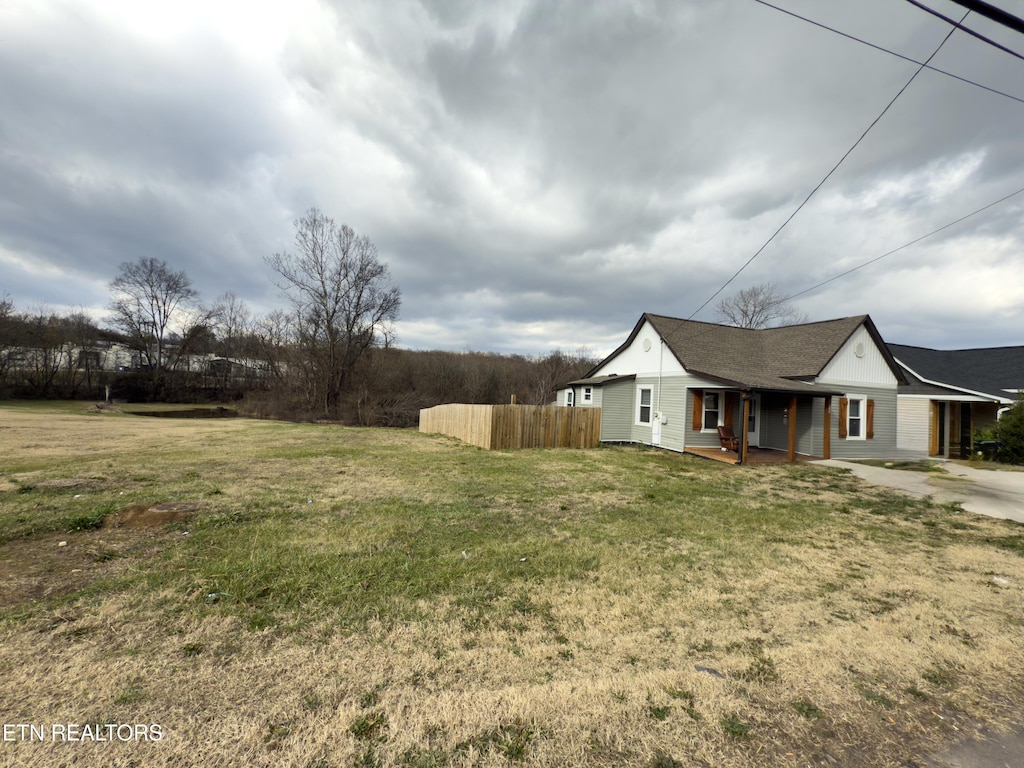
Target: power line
{"type": "Point", "coordinates": [827, 175]}
{"type": "Point", "coordinates": [905, 245]}
{"type": "Point", "coordinates": [889, 51]}
{"type": "Point", "coordinates": [970, 32]}
{"type": "Point", "coordinates": [997, 15]}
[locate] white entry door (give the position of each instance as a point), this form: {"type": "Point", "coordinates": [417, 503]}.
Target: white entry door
{"type": "Point", "coordinates": [754, 421]}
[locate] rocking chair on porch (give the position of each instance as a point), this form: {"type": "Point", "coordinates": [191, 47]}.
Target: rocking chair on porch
{"type": "Point", "coordinates": [728, 439]}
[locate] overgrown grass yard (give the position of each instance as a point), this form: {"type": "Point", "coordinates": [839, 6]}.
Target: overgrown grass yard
{"type": "Point", "coordinates": [344, 597]}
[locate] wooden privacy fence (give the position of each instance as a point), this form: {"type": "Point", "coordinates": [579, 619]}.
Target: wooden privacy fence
{"type": "Point", "coordinates": [500, 427]}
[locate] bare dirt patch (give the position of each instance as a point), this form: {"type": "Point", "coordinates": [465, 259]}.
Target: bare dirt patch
{"type": "Point", "coordinates": [55, 564]}
{"type": "Point", "coordinates": [150, 515]}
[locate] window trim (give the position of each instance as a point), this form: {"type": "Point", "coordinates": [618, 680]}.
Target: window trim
{"type": "Point", "coordinates": [640, 405]}
{"type": "Point", "coordinates": [588, 394]}
{"type": "Point", "coordinates": [570, 397]}
{"type": "Point", "coordinates": [719, 397]}
{"type": "Point", "coordinates": [862, 417]}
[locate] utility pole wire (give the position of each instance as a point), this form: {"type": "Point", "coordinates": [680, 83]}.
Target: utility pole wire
{"type": "Point", "coordinates": [970, 32]}
{"type": "Point", "coordinates": [829, 174]}
{"type": "Point", "coordinates": [997, 15]}
{"type": "Point", "coordinates": [905, 245]}
{"type": "Point", "coordinates": [890, 52]}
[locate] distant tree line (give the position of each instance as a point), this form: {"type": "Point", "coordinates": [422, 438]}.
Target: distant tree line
{"type": "Point", "coordinates": [330, 356]}
{"type": "Point", "coordinates": [46, 355]}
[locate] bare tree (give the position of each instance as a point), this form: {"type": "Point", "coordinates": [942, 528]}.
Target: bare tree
{"type": "Point", "coordinates": [232, 320]}
{"type": "Point", "coordinates": [343, 301]}
{"type": "Point", "coordinates": [8, 343]}
{"type": "Point", "coordinates": [83, 363]}
{"type": "Point", "coordinates": [49, 351]}
{"type": "Point", "coordinates": [759, 306]}
{"type": "Point", "coordinates": [147, 294]}
{"type": "Point", "coordinates": [556, 369]}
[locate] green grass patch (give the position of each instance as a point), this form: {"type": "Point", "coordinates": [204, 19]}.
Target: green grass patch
{"type": "Point", "coordinates": [735, 727]}
{"type": "Point", "coordinates": [808, 710]}
{"type": "Point", "coordinates": [373, 574]}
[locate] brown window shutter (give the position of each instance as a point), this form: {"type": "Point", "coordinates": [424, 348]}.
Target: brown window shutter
{"type": "Point", "coordinates": [698, 410]}
{"type": "Point", "coordinates": [870, 429]}
{"type": "Point", "coordinates": [730, 406]}
{"type": "Point", "coordinates": [844, 404]}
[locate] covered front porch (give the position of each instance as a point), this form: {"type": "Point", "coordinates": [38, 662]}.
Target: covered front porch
{"type": "Point", "coordinates": [769, 425]}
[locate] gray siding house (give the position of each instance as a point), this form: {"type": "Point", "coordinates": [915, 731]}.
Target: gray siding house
{"type": "Point", "coordinates": [952, 392]}
{"type": "Point", "coordinates": [825, 389]}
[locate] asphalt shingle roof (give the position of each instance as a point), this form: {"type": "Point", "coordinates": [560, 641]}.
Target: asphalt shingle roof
{"type": "Point", "coordinates": [996, 371]}
{"type": "Point", "coordinates": [783, 359]}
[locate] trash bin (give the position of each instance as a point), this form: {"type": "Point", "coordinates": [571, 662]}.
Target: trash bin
{"type": "Point", "coordinates": [987, 448]}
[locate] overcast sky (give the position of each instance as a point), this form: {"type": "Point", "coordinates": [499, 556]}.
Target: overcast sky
{"type": "Point", "coordinates": [536, 174]}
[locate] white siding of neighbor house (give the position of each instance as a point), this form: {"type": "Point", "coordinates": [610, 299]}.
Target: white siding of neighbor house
{"type": "Point", "coordinates": [847, 368]}
{"type": "Point", "coordinates": [562, 397]}
{"type": "Point", "coordinates": [912, 417]}
{"type": "Point", "coordinates": [634, 359]}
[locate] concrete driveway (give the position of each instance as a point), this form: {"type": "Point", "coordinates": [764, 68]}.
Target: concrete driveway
{"type": "Point", "coordinates": [984, 491]}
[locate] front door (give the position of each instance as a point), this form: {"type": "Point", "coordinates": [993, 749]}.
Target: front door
{"type": "Point", "coordinates": [754, 422]}
{"type": "Point", "coordinates": [966, 438]}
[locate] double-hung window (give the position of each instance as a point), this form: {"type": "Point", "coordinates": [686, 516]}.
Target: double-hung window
{"type": "Point", "coordinates": [644, 400]}
{"type": "Point", "coordinates": [711, 410]}
{"type": "Point", "coordinates": [588, 395]}
{"type": "Point", "coordinates": [857, 417]}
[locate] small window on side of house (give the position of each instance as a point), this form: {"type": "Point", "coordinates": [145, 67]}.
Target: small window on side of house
{"type": "Point", "coordinates": [570, 398]}
{"type": "Point", "coordinates": [855, 418]}
{"type": "Point", "coordinates": [711, 410]}
{"type": "Point", "coordinates": [644, 400]}
{"type": "Point", "coordinates": [588, 395]}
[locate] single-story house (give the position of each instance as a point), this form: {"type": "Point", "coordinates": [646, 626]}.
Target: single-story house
{"type": "Point", "coordinates": [826, 389]}
{"type": "Point", "coordinates": [950, 393]}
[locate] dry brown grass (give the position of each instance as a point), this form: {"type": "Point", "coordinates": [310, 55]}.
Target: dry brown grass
{"type": "Point", "coordinates": [732, 617]}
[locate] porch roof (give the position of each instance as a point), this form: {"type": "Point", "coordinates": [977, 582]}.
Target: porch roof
{"type": "Point", "coordinates": [766, 383]}
{"type": "Point", "coordinates": [597, 380]}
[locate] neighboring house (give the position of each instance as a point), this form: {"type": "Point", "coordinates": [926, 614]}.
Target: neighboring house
{"type": "Point", "coordinates": [819, 389]}
{"type": "Point", "coordinates": [950, 393]}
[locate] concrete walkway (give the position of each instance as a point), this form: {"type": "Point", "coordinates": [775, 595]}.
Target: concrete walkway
{"type": "Point", "coordinates": [983, 491]}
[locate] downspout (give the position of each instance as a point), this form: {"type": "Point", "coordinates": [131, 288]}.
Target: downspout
{"type": "Point", "coordinates": [661, 359]}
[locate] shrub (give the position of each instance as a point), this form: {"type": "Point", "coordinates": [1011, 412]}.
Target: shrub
{"type": "Point", "coordinates": [1010, 433]}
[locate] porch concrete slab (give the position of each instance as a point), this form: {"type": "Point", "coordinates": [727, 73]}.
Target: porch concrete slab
{"type": "Point", "coordinates": [982, 491]}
